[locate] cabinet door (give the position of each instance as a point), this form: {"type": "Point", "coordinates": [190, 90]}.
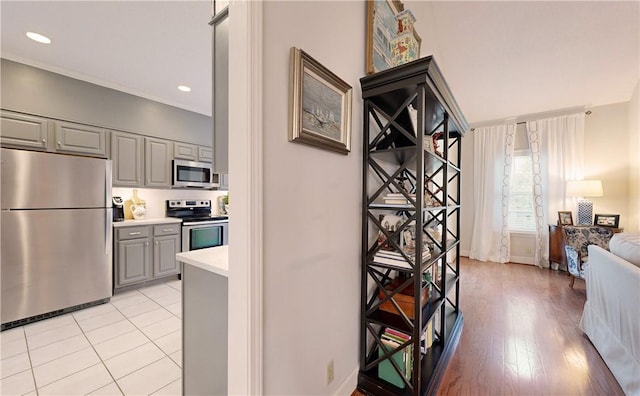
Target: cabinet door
{"type": "Point", "coordinates": [80, 139]}
{"type": "Point", "coordinates": [205, 154]}
{"type": "Point", "coordinates": [221, 95]}
{"type": "Point", "coordinates": [157, 158]}
{"type": "Point", "coordinates": [126, 153]}
{"type": "Point", "coordinates": [24, 131]}
{"type": "Point", "coordinates": [556, 245]}
{"type": "Point", "coordinates": [224, 181]}
{"type": "Point", "coordinates": [165, 249]}
{"type": "Point", "coordinates": [133, 262]}
{"type": "Point", "coordinates": [185, 151]}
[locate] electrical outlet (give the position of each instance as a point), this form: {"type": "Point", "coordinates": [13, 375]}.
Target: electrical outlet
{"type": "Point", "coordinates": [330, 372]}
{"type": "Point", "coordinates": [527, 250]}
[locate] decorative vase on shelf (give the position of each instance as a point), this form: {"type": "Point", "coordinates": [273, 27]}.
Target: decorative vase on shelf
{"type": "Point", "coordinates": [139, 203]}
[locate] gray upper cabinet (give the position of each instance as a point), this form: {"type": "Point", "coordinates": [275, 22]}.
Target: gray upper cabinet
{"type": "Point", "coordinates": [126, 153]}
{"type": "Point", "coordinates": [157, 167]}
{"type": "Point", "coordinates": [220, 24]}
{"type": "Point", "coordinates": [23, 131]}
{"type": "Point", "coordinates": [185, 151]}
{"type": "Point", "coordinates": [205, 154]}
{"type": "Point", "coordinates": [80, 139]}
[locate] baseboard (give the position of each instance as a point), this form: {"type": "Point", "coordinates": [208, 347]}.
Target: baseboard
{"type": "Point", "coordinates": [348, 385]}
{"type": "Point", "coordinates": [522, 260]}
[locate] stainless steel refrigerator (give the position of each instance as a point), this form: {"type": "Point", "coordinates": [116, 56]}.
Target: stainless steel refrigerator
{"type": "Point", "coordinates": [55, 231]}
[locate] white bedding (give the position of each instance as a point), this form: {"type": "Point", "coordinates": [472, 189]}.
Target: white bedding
{"type": "Point", "coordinates": [611, 316]}
{"type": "Point", "coordinates": [626, 245]}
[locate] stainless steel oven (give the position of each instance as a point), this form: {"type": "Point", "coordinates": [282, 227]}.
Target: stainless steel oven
{"type": "Point", "coordinates": [204, 234]}
{"type": "Point", "coordinates": [199, 228]}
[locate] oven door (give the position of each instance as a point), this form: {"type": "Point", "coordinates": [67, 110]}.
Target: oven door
{"type": "Point", "coordinates": [204, 235]}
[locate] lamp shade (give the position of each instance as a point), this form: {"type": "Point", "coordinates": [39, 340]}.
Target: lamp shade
{"type": "Point", "coordinates": [584, 188]}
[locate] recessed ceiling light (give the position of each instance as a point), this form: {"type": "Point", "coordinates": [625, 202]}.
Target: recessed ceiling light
{"type": "Point", "coordinates": [184, 88]}
{"type": "Point", "coordinates": [39, 38]}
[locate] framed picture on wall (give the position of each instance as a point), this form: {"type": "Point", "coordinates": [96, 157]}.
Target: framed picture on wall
{"type": "Point", "coordinates": [319, 105]}
{"type": "Point", "coordinates": [391, 38]}
{"type": "Point", "coordinates": [607, 220]}
{"type": "Point", "coordinates": [565, 218]}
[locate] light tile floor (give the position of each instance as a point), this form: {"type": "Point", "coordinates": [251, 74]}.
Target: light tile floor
{"type": "Point", "coordinates": [129, 346]}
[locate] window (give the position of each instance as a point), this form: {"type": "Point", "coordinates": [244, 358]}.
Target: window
{"type": "Point", "coordinates": [521, 212]}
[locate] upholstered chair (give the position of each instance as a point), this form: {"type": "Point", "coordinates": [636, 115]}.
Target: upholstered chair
{"type": "Point", "coordinates": [576, 240]}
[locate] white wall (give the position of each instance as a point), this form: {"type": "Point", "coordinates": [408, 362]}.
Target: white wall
{"type": "Point", "coordinates": [606, 135]}
{"type": "Point", "coordinates": [633, 224]}
{"type": "Point", "coordinates": [312, 208]}
{"type": "Point", "coordinates": [156, 198]}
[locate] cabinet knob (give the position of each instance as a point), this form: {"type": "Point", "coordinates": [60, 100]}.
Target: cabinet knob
{"type": "Point", "coordinates": [44, 141]}
{"type": "Point", "coordinates": [146, 244]}
{"type": "Point", "coordinates": [156, 243]}
{"type": "Point", "coordinates": [59, 144]}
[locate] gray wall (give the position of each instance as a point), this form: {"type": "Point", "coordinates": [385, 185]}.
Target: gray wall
{"type": "Point", "coordinates": [36, 91]}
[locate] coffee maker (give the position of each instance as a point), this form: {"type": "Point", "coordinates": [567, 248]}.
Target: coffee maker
{"type": "Point", "coordinates": [118, 209]}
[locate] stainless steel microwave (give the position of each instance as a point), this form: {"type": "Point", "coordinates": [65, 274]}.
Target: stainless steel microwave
{"type": "Point", "coordinates": [194, 174]}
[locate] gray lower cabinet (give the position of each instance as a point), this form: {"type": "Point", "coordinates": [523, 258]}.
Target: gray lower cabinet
{"type": "Point", "coordinates": [23, 131]}
{"type": "Point", "coordinates": [80, 139]}
{"type": "Point", "coordinates": [135, 260]}
{"type": "Point", "coordinates": [165, 249]}
{"type": "Point", "coordinates": [205, 348]}
{"type": "Point", "coordinates": [126, 154]}
{"type": "Point", "coordinates": [157, 162]}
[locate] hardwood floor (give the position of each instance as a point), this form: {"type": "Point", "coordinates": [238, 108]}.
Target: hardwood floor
{"type": "Point", "coordinates": [520, 336]}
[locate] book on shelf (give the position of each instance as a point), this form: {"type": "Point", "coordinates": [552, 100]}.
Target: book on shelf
{"type": "Point", "coordinates": [391, 340]}
{"type": "Point", "coordinates": [397, 198]}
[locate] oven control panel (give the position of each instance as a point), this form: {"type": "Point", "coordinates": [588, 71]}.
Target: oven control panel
{"type": "Point", "coordinates": [188, 203]}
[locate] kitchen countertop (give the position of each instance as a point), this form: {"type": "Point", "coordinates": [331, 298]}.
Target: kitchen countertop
{"type": "Point", "coordinates": [215, 259]}
{"type": "Point", "coordinates": [150, 221]}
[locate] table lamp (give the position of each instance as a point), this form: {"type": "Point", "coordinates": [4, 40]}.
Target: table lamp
{"type": "Point", "coordinates": [582, 189]}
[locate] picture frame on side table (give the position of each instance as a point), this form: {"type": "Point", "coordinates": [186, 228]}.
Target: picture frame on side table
{"type": "Point", "coordinates": [565, 218]}
{"type": "Point", "coordinates": [607, 220]}
{"type": "Point", "coordinates": [319, 105]}
{"type": "Point", "coordinates": [391, 37]}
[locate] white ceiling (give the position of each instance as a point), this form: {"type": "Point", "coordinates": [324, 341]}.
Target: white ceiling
{"type": "Point", "coordinates": [501, 59]}
{"type": "Point", "coordinates": [146, 48]}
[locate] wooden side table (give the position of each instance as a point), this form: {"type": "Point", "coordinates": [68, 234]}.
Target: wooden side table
{"type": "Point", "coordinates": [556, 245]}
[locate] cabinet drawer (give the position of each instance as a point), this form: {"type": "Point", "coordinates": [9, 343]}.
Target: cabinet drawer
{"type": "Point", "coordinates": [132, 232]}
{"type": "Point", "coordinates": [166, 229]}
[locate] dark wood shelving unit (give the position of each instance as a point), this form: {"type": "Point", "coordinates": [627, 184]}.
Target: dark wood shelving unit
{"type": "Point", "coordinates": [407, 110]}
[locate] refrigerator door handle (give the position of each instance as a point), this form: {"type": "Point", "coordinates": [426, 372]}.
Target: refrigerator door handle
{"type": "Point", "coordinates": [107, 183]}
{"type": "Point", "coordinates": [107, 230]}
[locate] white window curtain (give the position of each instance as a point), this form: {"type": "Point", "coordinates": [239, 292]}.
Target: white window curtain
{"type": "Point", "coordinates": [557, 148]}
{"type": "Point", "coordinates": [492, 155]}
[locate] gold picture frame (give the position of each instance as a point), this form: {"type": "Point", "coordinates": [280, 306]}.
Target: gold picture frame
{"type": "Point", "coordinates": [382, 30]}
{"type": "Point", "coordinates": [319, 105]}
{"type": "Point", "coordinates": [565, 218]}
